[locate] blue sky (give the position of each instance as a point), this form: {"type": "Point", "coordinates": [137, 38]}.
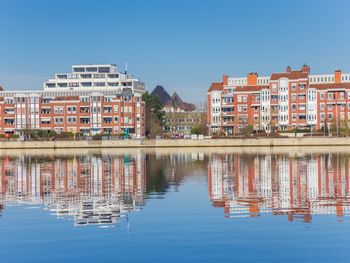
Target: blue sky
{"type": "Point", "coordinates": [183, 45]}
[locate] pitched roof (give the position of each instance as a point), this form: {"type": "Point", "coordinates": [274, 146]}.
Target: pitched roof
{"type": "Point", "coordinates": [250, 88]}
{"type": "Point", "coordinates": [297, 74]}
{"type": "Point", "coordinates": [161, 93]}
{"type": "Point", "coordinates": [216, 86]}
{"type": "Point", "coordinates": [176, 102]}
{"type": "Point", "coordinates": [330, 86]}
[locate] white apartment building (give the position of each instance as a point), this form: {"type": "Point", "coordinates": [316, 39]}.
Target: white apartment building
{"type": "Point", "coordinates": [94, 77]}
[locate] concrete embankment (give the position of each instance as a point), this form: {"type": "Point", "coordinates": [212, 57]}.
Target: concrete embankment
{"type": "Point", "coordinates": [233, 143]}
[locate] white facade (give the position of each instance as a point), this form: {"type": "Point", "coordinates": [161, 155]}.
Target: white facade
{"type": "Point", "coordinates": [311, 107]}
{"type": "Point", "coordinates": [265, 109]}
{"type": "Point", "coordinates": [216, 109]}
{"type": "Point", "coordinates": [94, 77]}
{"type": "Point", "coordinates": [283, 102]}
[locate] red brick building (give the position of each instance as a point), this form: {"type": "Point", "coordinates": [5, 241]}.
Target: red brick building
{"type": "Point", "coordinates": [282, 101]}
{"type": "Point", "coordinates": [85, 101]}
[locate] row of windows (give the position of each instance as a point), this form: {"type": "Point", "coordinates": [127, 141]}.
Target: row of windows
{"type": "Point", "coordinates": [175, 120]}
{"type": "Point", "coordinates": [330, 106]}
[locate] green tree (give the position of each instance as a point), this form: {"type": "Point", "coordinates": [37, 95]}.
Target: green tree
{"type": "Point", "coordinates": [199, 129]}
{"type": "Point", "coordinates": [154, 114]}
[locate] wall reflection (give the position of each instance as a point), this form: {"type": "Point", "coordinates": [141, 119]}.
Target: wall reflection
{"type": "Point", "coordinates": [88, 189]}
{"type": "Point", "coordinates": [250, 185]}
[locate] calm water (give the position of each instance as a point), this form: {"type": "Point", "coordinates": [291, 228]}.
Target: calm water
{"type": "Point", "coordinates": [189, 206]}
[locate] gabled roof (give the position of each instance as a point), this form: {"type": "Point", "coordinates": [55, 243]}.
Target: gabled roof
{"type": "Point", "coordinates": [176, 102]}
{"type": "Point", "coordinates": [161, 93]}
{"type": "Point", "coordinates": [297, 74]}
{"type": "Point", "coordinates": [216, 86]}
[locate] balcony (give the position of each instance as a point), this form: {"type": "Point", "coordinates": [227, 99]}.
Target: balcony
{"type": "Point", "coordinates": [84, 121]}
{"type": "Point", "coordinates": [45, 111]}
{"type": "Point", "coordinates": [9, 121]}
{"type": "Point", "coordinates": [107, 110]}
{"type": "Point", "coordinates": [9, 111]}
{"type": "Point", "coordinates": [107, 120]}
{"type": "Point", "coordinates": [84, 109]}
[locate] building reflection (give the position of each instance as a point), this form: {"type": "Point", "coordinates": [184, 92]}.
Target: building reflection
{"type": "Point", "coordinates": [89, 189]}
{"type": "Point", "coordinates": [300, 187]}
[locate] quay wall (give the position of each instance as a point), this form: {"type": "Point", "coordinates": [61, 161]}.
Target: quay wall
{"type": "Point", "coordinates": [233, 143]}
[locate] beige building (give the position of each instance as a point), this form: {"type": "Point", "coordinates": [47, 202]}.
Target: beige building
{"type": "Point", "coordinates": [181, 122]}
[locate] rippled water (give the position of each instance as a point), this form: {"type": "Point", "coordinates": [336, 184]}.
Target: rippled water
{"type": "Point", "coordinates": [174, 206]}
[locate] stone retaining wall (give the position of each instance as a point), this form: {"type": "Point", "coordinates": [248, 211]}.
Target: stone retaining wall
{"type": "Point", "coordinates": [260, 142]}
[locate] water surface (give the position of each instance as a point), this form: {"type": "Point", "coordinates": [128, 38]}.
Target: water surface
{"type": "Point", "coordinates": [177, 206]}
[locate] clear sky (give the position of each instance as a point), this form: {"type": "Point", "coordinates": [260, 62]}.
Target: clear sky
{"type": "Point", "coordinates": [183, 45]}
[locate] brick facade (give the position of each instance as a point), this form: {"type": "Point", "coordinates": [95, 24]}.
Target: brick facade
{"type": "Point", "coordinates": [282, 101]}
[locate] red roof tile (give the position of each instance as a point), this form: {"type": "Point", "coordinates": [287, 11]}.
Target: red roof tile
{"type": "Point", "coordinates": [330, 86]}
{"type": "Point", "coordinates": [290, 75]}
{"type": "Point", "coordinates": [216, 86]}
{"type": "Point", "coordinates": [250, 88]}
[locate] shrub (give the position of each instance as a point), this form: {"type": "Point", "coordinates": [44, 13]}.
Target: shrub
{"type": "Point", "coordinates": [66, 135]}
{"type": "Point", "coordinates": [97, 136]}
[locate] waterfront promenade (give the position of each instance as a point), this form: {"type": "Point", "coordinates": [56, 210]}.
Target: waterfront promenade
{"type": "Point", "coordinates": [179, 143]}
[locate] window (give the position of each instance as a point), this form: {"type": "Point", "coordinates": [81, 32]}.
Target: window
{"type": "Point", "coordinates": [58, 120]}
{"type": "Point", "coordinates": [84, 99]}
{"type": "Point", "coordinates": [91, 69]}
{"type": "Point", "coordinates": [322, 106]}
{"type": "Point", "coordinates": [294, 106]}
{"type": "Point", "coordinates": [322, 96]}
{"type": "Point", "coordinates": [330, 95]}
{"type": "Point", "coordinates": [74, 84]}
{"type": "Point", "coordinates": [99, 76]}
{"type": "Point", "coordinates": [71, 109]}
{"type": "Point", "coordinates": [72, 120]}
{"type": "Point", "coordinates": [99, 84]}
{"type": "Point", "coordinates": [329, 106]}
{"type": "Point", "coordinates": [78, 69]}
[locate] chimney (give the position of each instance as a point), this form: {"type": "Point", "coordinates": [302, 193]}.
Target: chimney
{"type": "Point", "coordinates": [288, 69]}
{"type": "Point", "coordinates": [337, 76]}
{"type": "Point", "coordinates": [305, 69]}
{"type": "Point", "coordinates": [252, 79]}
{"type": "Point", "coordinates": [225, 80]}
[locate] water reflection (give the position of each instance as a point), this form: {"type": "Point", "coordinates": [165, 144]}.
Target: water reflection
{"type": "Point", "coordinates": [102, 189]}
{"type": "Point", "coordinates": [88, 189]}
{"type": "Point", "coordinates": [250, 185]}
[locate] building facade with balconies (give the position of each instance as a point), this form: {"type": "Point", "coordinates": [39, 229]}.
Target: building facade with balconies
{"type": "Point", "coordinates": [283, 101]}
{"type": "Point", "coordinates": [66, 107]}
